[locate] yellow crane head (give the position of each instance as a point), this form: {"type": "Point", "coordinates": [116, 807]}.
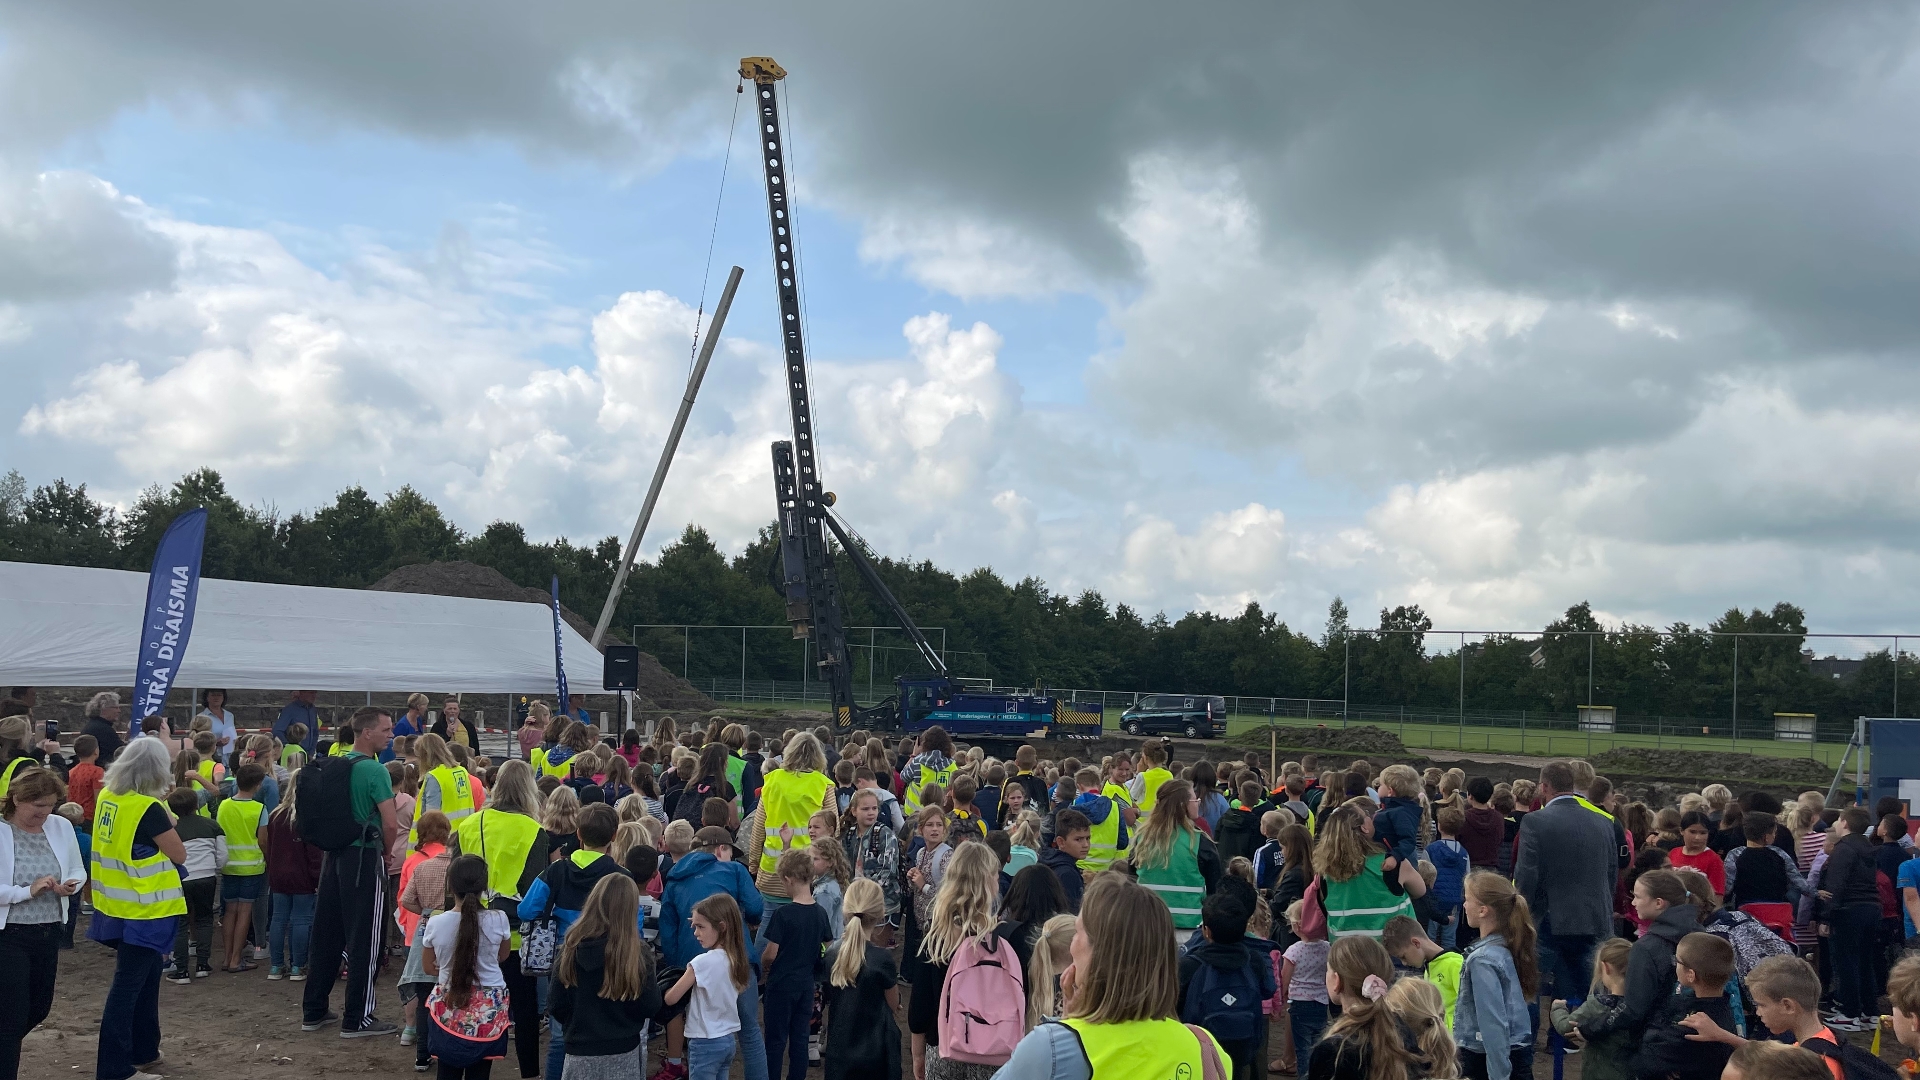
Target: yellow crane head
{"type": "Point", "coordinates": [761, 69]}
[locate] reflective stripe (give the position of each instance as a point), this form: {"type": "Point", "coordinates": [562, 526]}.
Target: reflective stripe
{"type": "Point", "coordinates": [132, 897]}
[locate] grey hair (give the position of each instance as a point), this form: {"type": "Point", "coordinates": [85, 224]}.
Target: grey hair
{"type": "Point", "coordinates": [514, 790]}
{"type": "Point", "coordinates": [803, 754]}
{"type": "Point", "coordinates": [144, 767]}
{"type": "Point", "coordinates": [99, 702]}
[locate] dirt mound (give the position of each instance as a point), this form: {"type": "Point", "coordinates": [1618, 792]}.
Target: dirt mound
{"type": "Point", "coordinates": [1359, 739]}
{"type": "Point", "coordinates": [1692, 765]}
{"type": "Point", "coordinates": [659, 688]}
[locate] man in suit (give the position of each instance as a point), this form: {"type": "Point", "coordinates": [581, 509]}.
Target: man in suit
{"type": "Point", "coordinates": [1567, 868]}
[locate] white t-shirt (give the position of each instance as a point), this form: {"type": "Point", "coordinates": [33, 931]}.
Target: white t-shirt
{"type": "Point", "coordinates": [444, 929]}
{"type": "Point", "coordinates": [713, 1011]}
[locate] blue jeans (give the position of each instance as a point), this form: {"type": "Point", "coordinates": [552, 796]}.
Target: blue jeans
{"type": "Point", "coordinates": [290, 930]}
{"type": "Point", "coordinates": [1568, 960]}
{"type": "Point", "coordinates": [708, 1059]}
{"type": "Point", "coordinates": [557, 1042]}
{"type": "Point", "coordinates": [753, 1045]}
{"type": "Point", "coordinates": [1309, 1019]}
{"type": "Point", "coordinates": [788, 1014]}
{"type": "Point", "coordinates": [133, 1007]}
{"type": "Point", "coordinates": [1445, 934]}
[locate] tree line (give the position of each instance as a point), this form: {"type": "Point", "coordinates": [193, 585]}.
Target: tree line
{"type": "Point", "coordinates": [1015, 632]}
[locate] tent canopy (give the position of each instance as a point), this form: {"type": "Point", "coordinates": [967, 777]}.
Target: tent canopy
{"type": "Point", "coordinates": [78, 626]}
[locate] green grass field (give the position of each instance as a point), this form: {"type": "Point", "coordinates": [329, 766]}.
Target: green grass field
{"type": "Point", "coordinates": [1535, 742]}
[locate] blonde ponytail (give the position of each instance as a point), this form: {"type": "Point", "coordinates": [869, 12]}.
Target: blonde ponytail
{"type": "Point", "coordinates": [1418, 1004]}
{"type": "Point", "coordinates": [864, 908]}
{"type": "Point", "coordinates": [1050, 958]}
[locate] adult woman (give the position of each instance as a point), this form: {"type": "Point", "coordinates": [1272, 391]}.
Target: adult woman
{"type": "Point", "coordinates": [963, 910]}
{"type": "Point", "coordinates": [793, 793]}
{"type": "Point", "coordinates": [213, 706]}
{"type": "Point", "coordinates": [412, 723]}
{"type": "Point", "coordinates": [1172, 858]}
{"type": "Point", "coordinates": [444, 785]}
{"type": "Point", "coordinates": [1360, 892]}
{"type": "Point", "coordinates": [15, 732]}
{"type": "Point", "coordinates": [507, 834]}
{"type": "Point", "coordinates": [40, 867]}
{"type": "Point", "coordinates": [932, 765]}
{"type": "Point", "coordinates": [1122, 993]}
{"type": "Point", "coordinates": [137, 902]}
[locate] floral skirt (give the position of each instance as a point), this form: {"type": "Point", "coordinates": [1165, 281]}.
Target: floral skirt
{"type": "Point", "coordinates": [466, 1036]}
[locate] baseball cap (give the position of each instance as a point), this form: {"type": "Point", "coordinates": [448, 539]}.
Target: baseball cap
{"type": "Point", "coordinates": [713, 836]}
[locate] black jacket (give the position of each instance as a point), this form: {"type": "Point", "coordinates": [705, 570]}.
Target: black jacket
{"type": "Point", "coordinates": [569, 884]}
{"type": "Point", "coordinates": [1850, 874]}
{"type": "Point", "coordinates": [1068, 872]}
{"type": "Point", "coordinates": [1665, 1049]}
{"type": "Point", "coordinates": [595, 1026]}
{"type": "Point", "coordinates": [1650, 977]}
{"type": "Point", "coordinates": [1239, 832]}
{"type": "Point", "coordinates": [109, 739]}
{"type": "Point", "coordinates": [1233, 956]}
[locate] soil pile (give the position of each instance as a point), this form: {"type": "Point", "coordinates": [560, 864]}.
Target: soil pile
{"type": "Point", "coordinates": [1688, 765]}
{"type": "Point", "coordinates": [659, 688]}
{"type": "Point", "coordinates": [1359, 739]}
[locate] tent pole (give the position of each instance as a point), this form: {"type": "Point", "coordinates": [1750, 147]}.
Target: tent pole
{"type": "Point", "coordinates": [666, 454]}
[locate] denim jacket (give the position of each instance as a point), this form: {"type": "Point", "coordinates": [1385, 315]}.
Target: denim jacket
{"type": "Point", "coordinates": [1490, 1016]}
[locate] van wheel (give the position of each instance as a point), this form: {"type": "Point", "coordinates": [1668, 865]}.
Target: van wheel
{"type": "Point", "coordinates": [1133, 727]}
{"type": "Point", "coordinates": [1192, 732]}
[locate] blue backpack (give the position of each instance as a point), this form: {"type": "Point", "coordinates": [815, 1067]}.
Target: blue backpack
{"type": "Point", "coordinates": [1226, 1003]}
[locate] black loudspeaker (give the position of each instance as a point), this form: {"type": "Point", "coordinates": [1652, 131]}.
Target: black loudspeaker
{"type": "Point", "coordinates": [620, 668]}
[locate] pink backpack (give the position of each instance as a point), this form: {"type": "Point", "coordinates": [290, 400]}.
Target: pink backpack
{"type": "Point", "coordinates": [983, 1003]}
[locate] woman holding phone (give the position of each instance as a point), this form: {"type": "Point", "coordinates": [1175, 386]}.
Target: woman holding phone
{"type": "Point", "coordinates": [40, 869]}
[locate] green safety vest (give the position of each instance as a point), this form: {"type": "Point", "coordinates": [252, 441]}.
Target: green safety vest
{"type": "Point", "coordinates": [1361, 905]}
{"type": "Point", "coordinates": [126, 887]}
{"type": "Point", "coordinates": [1179, 884]}
{"type": "Point", "coordinates": [240, 820]}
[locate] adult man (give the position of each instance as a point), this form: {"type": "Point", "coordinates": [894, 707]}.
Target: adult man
{"type": "Point", "coordinates": [455, 728]}
{"type": "Point", "coordinates": [1566, 871]}
{"type": "Point", "coordinates": [103, 710]}
{"type": "Point", "coordinates": [298, 711]}
{"type": "Point", "coordinates": [347, 908]}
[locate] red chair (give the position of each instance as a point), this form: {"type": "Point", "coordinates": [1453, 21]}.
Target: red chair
{"type": "Point", "coordinates": [1775, 917]}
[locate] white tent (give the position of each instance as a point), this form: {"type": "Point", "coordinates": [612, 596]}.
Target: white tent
{"type": "Point", "coordinates": [77, 626]}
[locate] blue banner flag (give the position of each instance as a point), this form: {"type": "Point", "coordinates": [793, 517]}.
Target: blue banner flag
{"type": "Point", "coordinates": [172, 589]}
{"type": "Point", "coordinates": [559, 665]}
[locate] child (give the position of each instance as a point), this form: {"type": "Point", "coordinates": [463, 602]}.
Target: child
{"type": "Point", "coordinates": [1268, 858]}
{"type": "Point", "coordinates": [85, 776]}
{"type": "Point", "coordinates": [986, 801]}
{"type": "Point", "coordinates": [930, 866]}
{"type": "Point", "coordinates": [1358, 975]}
{"type": "Point", "coordinates": [1903, 992]}
{"type": "Point", "coordinates": [1603, 1057]}
{"type": "Point", "coordinates": [865, 779]}
{"type": "Point", "coordinates": [423, 892]}
{"type": "Point", "coordinates": [643, 865]}
{"type": "Point", "coordinates": [245, 873]}
{"type": "Point", "coordinates": [1417, 1004]}
{"type": "Point", "coordinates": [83, 838]}
{"type": "Point", "coordinates": [464, 948]}
{"type": "Point", "coordinates": [873, 854]}
{"type": "Point", "coordinates": [1775, 1061]}
{"type": "Point", "coordinates": [1397, 826]}
{"type": "Point", "coordinates": [563, 887]}
{"type": "Point", "coordinates": [709, 869]}
{"type": "Point", "coordinates": [1023, 842]}
{"type": "Point", "coordinates": [1786, 995]}
{"type": "Point", "coordinates": [1662, 899]}
{"type": "Point", "coordinates": [603, 991]}
{"type": "Point", "coordinates": [843, 786]}
{"type": "Point", "coordinates": [797, 934]}
{"type": "Point", "coordinates": [1450, 864]}
{"type": "Point", "coordinates": [296, 744]}
{"type": "Point", "coordinates": [1703, 964]}
{"type": "Point", "coordinates": [1103, 812]}
{"type": "Point", "coordinates": [1072, 839]}
{"type": "Point", "coordinates": [963, 816]}
{"type": "Point", "coordinates": [863, 991]}
{"type": "Point", "coordinates": [1303, 982]}
{"type": "Point", "coordinates": [1760, 873]}
{"type": "Point", "coordinates": [1223, 981]}
{"type": "Point", "coordinates": [1497, 980]}
{"type": "Point", "coordinates": [1239, 827]}
{"type": "Point", "coordinates": [715, 977]}
{"type": "Point", "coordinates": [1410, 945]}
{"type": "Point", "coordinates": [206, 853]}
{"type": "Point", "coordinates": [830, 877]}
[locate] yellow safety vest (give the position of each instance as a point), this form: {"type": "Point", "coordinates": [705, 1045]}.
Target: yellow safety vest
{"type": "Point", "coordinates": [561, 769]}
{"type": "Point", "coordinates": [537, 757]}
{"type": "Point", "coordinates": [206, 772]}
{"type": "Point", "coordinates": [1144, 1050]}
{"type": "Point", "coordinates": [790, 799]}
{"type": "Point", "coordinates": [943, 777]}
{"type": "Point", "coordinates": [1104, 846]}
{"type": "Point", "coordinates": [126, 887]}
{"type": "Point", "coordinates": [1150, 781]}
{"type": "Point", "coordinates": [456, 798]}
{"type": "Point", "coordinates": [240, 820]}
{"type": "Point", "coordinates": [6, 775]}
{"type": "Point", "coordinates": [340, 750]}
{"type": "Point", "coordinates": [1582, 800]}
{"type": "Point", "coordinates": [503, 839]}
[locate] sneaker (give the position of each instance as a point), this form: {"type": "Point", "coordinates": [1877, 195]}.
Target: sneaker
{"type": "Point", "coordinates": [670, 1071]}
{"type": "Point", "coordinates": [407, 1035]}
{"type": "Point", "coordinates": [296, 974]}
{"type": "Point", "coordinates": [86, 907]}
{"type": "Point", "coordinates": [202, 972]}
{"type": "Point", "coordinates": [259, 952]}
{"type": "Point", "coordinates": [180, 977]}
{"type": "Point", "coordinates": [1842, 1022]}
{"type": "Point", "coordinates": [274, 974]}
{"type": "Point", "coordinates": [373, 1029]}
{"type": "Point", "coordinates": [151, 1065]}
{"type": "Point", "coordinates": [138, 1075]}
{"type": "Point", "coordinates": [315, 1025]}
{"type": "Point", "coordinates": [813, 1049]}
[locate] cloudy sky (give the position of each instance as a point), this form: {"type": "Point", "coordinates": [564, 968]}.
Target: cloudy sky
{"type": "Point", "coordinates": [1487, 307]}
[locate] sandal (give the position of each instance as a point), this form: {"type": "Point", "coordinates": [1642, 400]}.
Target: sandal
{"type": "Point", "coordinates": [245, 965]}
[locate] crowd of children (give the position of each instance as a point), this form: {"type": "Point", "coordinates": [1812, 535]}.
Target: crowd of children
{"type": "Point", "coordinates": [941, 885]}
